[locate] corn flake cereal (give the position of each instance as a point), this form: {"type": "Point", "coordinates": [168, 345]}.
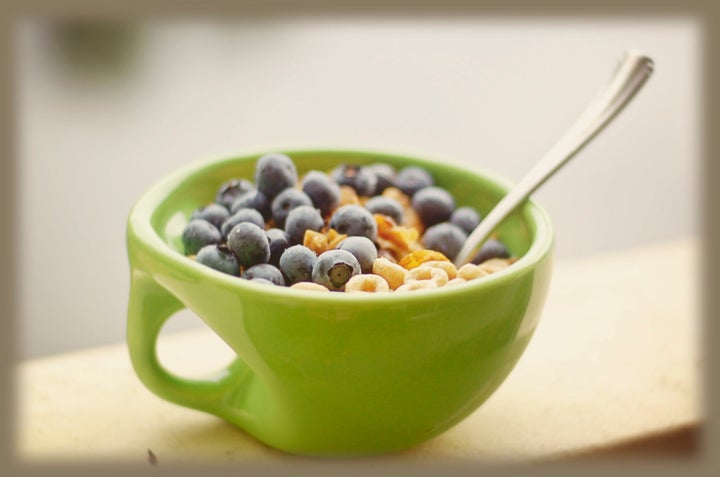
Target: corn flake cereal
{"type": "Point", "coordinates": [319, 242]}
{"type": "Point", "coordinates": [410, 216]}
{"type": "Point", "coordinates": [400, 240]}
{"type": "Point", "coordinates": [334, 238]}
{"type": "Point", "coordinates": [315, 241]}
{"type": "Point", "coordinates": [418, 257]}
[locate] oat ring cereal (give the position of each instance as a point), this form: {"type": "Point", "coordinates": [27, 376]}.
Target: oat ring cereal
{"type": "Point", "coordinates": [455, 281]}
{"type": "Point", "coordinates": [437, 275]}
{"type": "Point", "coordinates": [470, 271]}
{"type": "Point", "coordinates": [309, 286]}
{"type": "Point", "coordinates": [367, 283]}
{"type": "Point", "coordinates": [414, 285]}
{"type": "Point", "coordinates": [393, 273]}
{"type": "Point", "coordinates": [447, 267]}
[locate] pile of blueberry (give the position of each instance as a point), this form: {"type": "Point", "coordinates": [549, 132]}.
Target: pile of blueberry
{"type": "Point", "coordinates": [256, 230]}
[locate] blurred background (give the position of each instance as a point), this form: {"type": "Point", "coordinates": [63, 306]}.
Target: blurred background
{"type": "Point", "coordinates": [107, 109]}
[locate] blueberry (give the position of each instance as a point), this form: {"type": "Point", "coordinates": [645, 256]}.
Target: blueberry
{"type": "Point", "coordinates": [242, 215]}
{"type": "Point", "coordinates": [197, 234]}
{"type": "Point", "coordinates": [301, 219]}
{"type": "Point", "coordinates": [324, 193]}
{"type": "Point", "coordinates": [297, 263]}
{"type": "Point", "coordinates": [266, 272]}
{"type": "Point", "coordinates": [362, 179]}
{"type": "Point", "coordinates": [334, 268]}
{"type": "Point", "coordinates": [446, 238]}
{"type": "Point", "coordinates": [216, 214]}
{"type": "Point", "coordinates": [466, 218]}
{"type": "Point", "coordinates": [264, 281]}
{"type": "Point", "coordinates": [354, 219]}
{"type": "Point", "coordinates": [253, 200]}
{"type": "Point", "coordinates": [249, 243]}
{"type": "Point", "coordinates": [274, 173]}
{"type": "Point", "coordinates": [412, 178]}
{"type": "Point", "coordinates": [386, 206]}
{"type": "Point", "coordinates": [231, 190]}
{"type": "Point", "coordinates": [279, 241]}
{"type": "Point", "coordinates": [220, 258]}
{"type": "Point", "coordinates": [433, 205]}
{"type": "Point", "coordinates": [490, 249]}
{"type": "Point", "coordinates": [385, 174]}
{"type": "Point", "coordinates": [363, 249]}
{"type": "Point", "coordinates": [285, 201]}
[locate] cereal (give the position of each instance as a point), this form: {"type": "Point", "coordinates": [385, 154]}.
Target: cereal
{"type": "Point", "coordinates": [385, 253]}
{"type": "Point", "coordinates": [470, 271]}
{"type": "Point", "coordinates": [413, 285]}
{"type": "Point", "coordinates": [411, 218]}
{"type": "Point", "coordinates": [400, 240]}
{"type": "Point", "coordinates": [397, 194]}
{"type": "Point", "coordinates": [455, 281]}
{"type": "Point", "coordinates": [448, 267]}
{"type": "Point", "coordinates": [334, 238]}
{"type": "Point", "coordinates": [495, 264]}
{"type": "Point", "coordinates": [390, 248]}
{"type": "Point", "coordinates": [367, 283]}
{"type": "Point", "coordinates": [309, 286]}
{"type": "Point", "coordinates": [315, 241]}
{"type": "Point", "coordinates": [320, 242]}
{"type": "Point", "coordinates": [437, 275]}
{"type": "Point", "coordinates": [408, 255]}
{"type": "Point", "coordinates": [348, 196]}
{"type": "Point", "coordinates": [418, 257]}
{"type": "Point", "coordinates": [393, 273]}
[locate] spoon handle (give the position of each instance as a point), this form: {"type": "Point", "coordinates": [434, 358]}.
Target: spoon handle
{"type": "Point", "coordinates": [629, 77]}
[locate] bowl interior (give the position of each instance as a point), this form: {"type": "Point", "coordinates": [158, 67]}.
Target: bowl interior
{"type": "Point", "coordinates": [480, 190]}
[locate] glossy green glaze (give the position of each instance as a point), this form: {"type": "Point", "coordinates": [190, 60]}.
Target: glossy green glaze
{"type": "Point", "coordinates": [335, 374]}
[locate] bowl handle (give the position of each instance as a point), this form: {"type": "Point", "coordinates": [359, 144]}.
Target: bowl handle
{"type": "Point", "coordinates": [150, 306]}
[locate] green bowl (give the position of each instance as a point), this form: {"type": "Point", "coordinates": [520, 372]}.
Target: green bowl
{"type": "Point", "coordinates": [335, 374]}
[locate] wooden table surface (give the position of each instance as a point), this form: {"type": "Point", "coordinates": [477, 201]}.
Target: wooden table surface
{"type": "Point", "coordinates": [616, 358]}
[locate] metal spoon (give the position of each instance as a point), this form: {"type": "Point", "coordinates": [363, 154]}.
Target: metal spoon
{"type": "Point", "coordinates": [629, 77]}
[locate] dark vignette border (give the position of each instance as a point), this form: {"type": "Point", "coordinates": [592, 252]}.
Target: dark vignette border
{"type": "Point", "coordinates": [705, 12]}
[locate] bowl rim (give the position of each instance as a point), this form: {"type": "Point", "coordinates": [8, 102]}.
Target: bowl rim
{"type": "Point", "coordinates": [139, 226]}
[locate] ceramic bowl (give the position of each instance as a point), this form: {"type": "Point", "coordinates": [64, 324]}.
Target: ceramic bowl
{"type": "Point", "coordinates": [335, 374]}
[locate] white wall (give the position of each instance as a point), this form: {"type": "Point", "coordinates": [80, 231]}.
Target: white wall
{"type": "Point", "coordinates": [495, 93]}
